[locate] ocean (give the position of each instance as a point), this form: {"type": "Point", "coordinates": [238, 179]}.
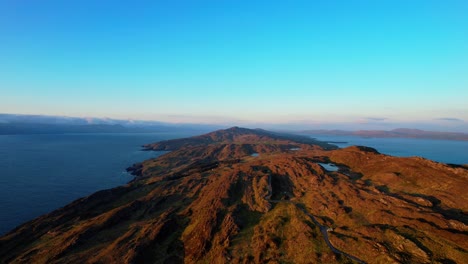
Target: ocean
{"type": "Point", "coordinates": [40, 173]}
{"type": "Point", "coordinates": [446, 151]}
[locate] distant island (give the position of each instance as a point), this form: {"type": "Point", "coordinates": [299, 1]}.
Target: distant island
{"type": "Point", "coordinates": [253, 196]}
{"type": "Point", "coordinates": [395, 133]}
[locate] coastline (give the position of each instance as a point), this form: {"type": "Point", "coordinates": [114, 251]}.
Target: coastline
{"type": "Point", "coordinates": [444, 151]}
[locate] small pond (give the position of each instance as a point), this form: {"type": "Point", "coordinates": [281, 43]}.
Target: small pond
{"type": "Point", "coordinates": [329, 166]}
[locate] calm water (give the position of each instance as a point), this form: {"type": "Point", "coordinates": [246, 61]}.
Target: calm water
{"type": "Point", "coordinates": [447, 151]}
{"type": "Point", "coordinates": [329, 166]}
{"type": "Point", "coordinates": [40, 173]}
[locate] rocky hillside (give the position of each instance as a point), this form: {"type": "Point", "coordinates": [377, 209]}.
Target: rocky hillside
{"type": "Point", "coordinates": [251, 196]}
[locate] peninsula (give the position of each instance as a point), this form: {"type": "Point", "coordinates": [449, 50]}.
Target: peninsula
{"type": "Point", "coordinates": [252, 196]}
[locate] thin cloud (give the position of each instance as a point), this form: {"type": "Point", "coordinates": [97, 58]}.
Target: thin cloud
{"type": "Point", "coordinates": [372, 120]}
{"type": "Point", "coordinates": [451, 119]}
{"type": "Point", "coordinates": [376, 118]}
{"type": "Point", "coordinates": [202, 119]}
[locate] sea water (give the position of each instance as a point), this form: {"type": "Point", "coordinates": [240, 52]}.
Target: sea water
{"type": "Point", "coordinates": [40, 173]}
{"type": "Point", "coordinates": [446, 151]}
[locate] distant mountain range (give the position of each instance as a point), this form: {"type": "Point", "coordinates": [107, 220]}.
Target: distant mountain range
{"type": "Point", "coordinates": [11, 124]}
{"type": "Point", "coordinates": [395, 133]}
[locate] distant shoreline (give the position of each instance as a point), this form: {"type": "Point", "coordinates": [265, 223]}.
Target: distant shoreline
{"type": "Point", "coordinates": [396, 133]}
{"type": "Point", "coordinates": [444, 151]}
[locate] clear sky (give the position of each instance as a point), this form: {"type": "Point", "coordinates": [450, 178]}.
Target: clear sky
{"type": "Point", "coordinates": [300, 62]}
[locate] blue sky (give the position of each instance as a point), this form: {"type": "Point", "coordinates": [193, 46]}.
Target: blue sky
{"type": "Point", "coordinates": [374, 63]}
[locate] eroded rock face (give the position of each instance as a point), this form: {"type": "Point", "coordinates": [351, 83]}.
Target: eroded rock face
{"type": "Point", "coordinates": [210, 201]}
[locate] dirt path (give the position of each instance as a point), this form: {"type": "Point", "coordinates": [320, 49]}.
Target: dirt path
{"type": "Point", "coordinates": [323, 228]}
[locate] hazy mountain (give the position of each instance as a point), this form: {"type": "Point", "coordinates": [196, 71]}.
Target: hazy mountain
{"type": "Point", "coordinates": [41, 124]}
